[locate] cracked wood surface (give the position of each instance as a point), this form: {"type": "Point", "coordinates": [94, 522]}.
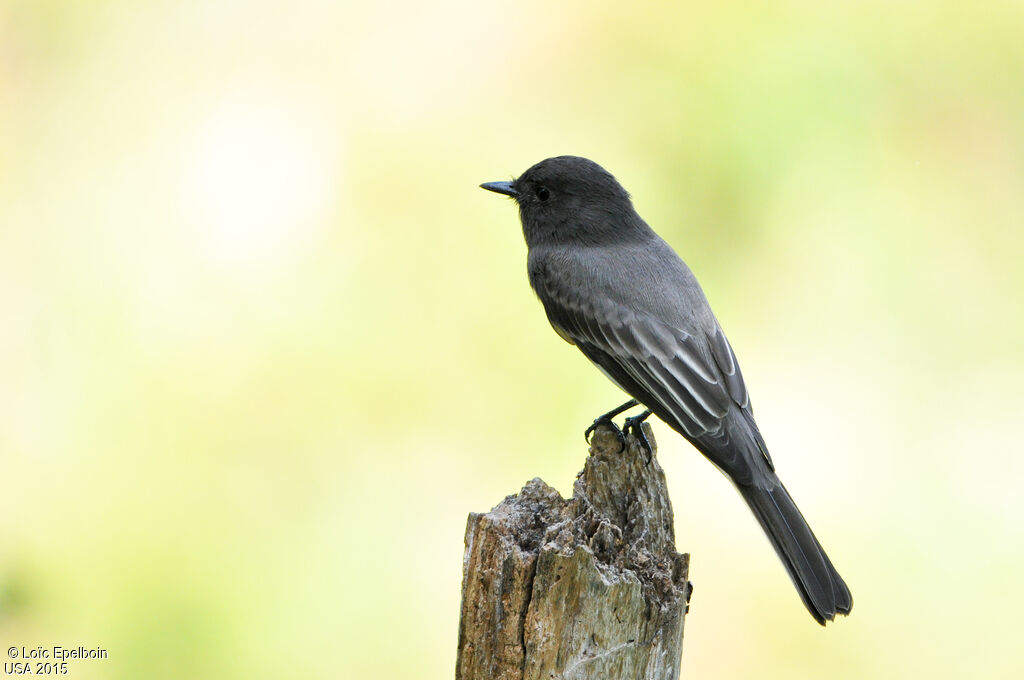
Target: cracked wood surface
{"type": "Point", "coordinates": [590, 587]}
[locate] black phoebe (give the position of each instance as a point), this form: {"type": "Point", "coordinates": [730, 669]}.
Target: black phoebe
{"type": "Point", "coordinates": [617, 291]}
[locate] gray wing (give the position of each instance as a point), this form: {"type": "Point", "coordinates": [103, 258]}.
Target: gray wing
{"type": "Point", "coordinates": [690, 379]}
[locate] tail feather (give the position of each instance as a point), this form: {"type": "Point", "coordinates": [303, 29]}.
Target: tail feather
{"type": "Point", "coordinates": [820, 586]}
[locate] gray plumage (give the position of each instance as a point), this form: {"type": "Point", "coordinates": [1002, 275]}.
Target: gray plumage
{"type": "Point", "coordinates": [617, 291]}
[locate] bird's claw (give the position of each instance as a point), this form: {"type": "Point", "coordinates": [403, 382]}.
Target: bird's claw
{"type": "Point", "coordinates": [606, 421]}
{"type": "Point", "coordinates": [634, 425]}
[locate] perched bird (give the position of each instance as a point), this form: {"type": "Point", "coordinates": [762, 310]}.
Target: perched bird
{"type": "Point", "coordinates": [616, 290]}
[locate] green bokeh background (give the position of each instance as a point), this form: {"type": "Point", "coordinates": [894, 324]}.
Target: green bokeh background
{"type": "Point", "coordinates": [264, 344]}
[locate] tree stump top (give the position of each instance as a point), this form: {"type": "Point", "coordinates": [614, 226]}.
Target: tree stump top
{"type": "Point", "coordinates": [580, 588]}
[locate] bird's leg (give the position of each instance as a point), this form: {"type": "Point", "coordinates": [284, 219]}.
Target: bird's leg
{"type": "Point", "coordinates": [635, 425]}
{"type": "Point", "coordinates": [606, 419]}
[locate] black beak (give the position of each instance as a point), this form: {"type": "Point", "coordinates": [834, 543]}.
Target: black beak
{"type": "Point", "coordinates": [507, 188]}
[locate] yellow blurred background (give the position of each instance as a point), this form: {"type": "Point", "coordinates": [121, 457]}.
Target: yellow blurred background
{"type": "Point", "coordinates": [264, 343]}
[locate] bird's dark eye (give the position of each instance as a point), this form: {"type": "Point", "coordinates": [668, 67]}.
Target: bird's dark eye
{"type": "Point", "coordinates": [543, 194]}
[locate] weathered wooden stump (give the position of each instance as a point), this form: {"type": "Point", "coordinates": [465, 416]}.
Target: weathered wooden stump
{"type": "Point", "coordinates": [590, 587]}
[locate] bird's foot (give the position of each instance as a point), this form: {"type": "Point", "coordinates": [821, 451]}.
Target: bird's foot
{"type": "Point", "coordinates": [607, 421]}
{"type": "Point", "coordinates": [634, 426]}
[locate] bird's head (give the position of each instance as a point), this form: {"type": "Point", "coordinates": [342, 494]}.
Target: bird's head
{"type": "Point", "coordinates": [570, 199]}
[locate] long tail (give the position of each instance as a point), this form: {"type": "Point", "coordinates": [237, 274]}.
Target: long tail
{"type": "Point", "coordinates": [821, 587]}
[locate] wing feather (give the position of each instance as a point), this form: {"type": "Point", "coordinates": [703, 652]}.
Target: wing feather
{"type": "Point", "coordinates": [644, 355]}
{"type": "Point", "coordinates": [726, 360]}
{"type": "Point", "coordinates": [680, 366]}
